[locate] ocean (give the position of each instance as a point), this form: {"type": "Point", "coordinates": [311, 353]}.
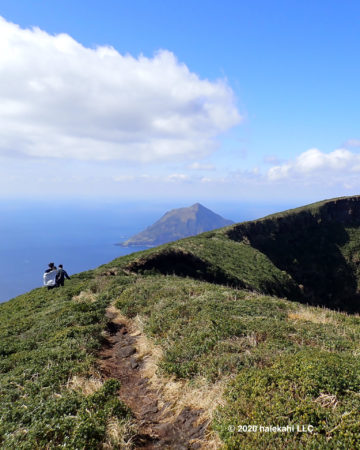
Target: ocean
{"type": "Point", "coordinates": [79, 234]}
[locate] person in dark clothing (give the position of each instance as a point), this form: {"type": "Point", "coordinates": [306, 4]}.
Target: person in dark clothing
{"type": "Point", "coordinates": [61, 275]}
{"type": "Point", "coordinates": [51, 268]}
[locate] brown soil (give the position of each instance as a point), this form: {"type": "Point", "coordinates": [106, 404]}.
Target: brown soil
{"type": "Point", "coordinates": [158, 425]}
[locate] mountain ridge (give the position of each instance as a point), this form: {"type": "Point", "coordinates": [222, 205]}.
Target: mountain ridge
{"type": "Point", "coordinates": [204, 335]}
{"type": "Point", "coordinates": [307, 254]}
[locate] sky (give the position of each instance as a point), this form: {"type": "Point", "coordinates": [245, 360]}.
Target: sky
{"type": "Point", "coordinates": [195, 100]}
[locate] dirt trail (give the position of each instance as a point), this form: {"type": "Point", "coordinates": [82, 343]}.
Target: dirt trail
{"type": "Point", "coordinates": [158, 426]}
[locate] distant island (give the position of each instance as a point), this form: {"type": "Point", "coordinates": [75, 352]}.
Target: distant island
{"type": "Point", "coordinates": [230, 308]}
{"type": "Point", "coordinates": [177, 224]}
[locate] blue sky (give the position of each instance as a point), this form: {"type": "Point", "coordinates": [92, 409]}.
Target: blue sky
{"type": "Point", "coordinates": [198, 100]}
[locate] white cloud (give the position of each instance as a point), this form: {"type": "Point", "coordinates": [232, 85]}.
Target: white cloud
{"type": "Point", "coordinates": [60, 99]}
{"type": "Point", "coordinates": [313, 162]}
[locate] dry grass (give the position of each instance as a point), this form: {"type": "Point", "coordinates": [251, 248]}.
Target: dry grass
{"type": "Point", "coordinates": [85, 297]}
{"type": "Point", "coordinates": [327, 400]}
{"type": "Point", "coordinates": [118, 318]}
{"type": "Point", "coordinates": [147, 351]}
{"type": "Point", "coordinates": [197, 394]}
{"type": "Point", "coordinates": [177, 394]}
{"type": "Point", "coordinates": [86, 386]}
{"type": "Point", "coordinates": [119, 434]}
{"type": "Point", "coordinates": [212, 442]}
{"type": "Point", "coordinates": [312, 315]}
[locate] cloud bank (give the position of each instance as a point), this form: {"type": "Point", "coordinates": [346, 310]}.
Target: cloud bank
{"type": "Point", "coordinates": [60, 99]}
{"type": "Point", "coordinates": [314, 163]}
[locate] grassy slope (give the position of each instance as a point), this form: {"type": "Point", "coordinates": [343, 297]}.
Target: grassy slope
{"type": "Point", "coordinates": [47, 338]}
{"type": "Point", "coordinates": [225, 261]}
{"type": "Point", "coordinates": [309, 254]}
{"type": "Point", "coordinates": [287, 363]}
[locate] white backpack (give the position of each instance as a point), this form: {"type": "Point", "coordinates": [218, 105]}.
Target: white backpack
{"type": "Point", "coordinates": [49, 278]}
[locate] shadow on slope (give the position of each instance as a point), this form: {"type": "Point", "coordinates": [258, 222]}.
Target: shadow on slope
{"type": "Point", "coordinates": [311, 255]}
{"type": "Point", "coordinates": [308, 245]}
{"type": "Point", "coordinates": [217, 259]}
{"type": "Point", "coordinates": [173, 261]}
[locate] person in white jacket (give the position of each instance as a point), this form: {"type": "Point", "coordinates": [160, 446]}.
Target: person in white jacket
{"type": "Point", "coordinates": [49, 277]}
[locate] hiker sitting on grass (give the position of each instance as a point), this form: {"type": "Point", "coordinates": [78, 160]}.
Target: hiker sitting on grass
{"type": "Point", "coordinates": [49, 277]}
{"type": "Point", "coordinates": [61, 275]}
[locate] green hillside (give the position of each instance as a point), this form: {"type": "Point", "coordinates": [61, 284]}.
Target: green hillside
{"type": "Point", "coordinates": [220, 328]}
{"type": "Point", "coordinates": [309, 254]}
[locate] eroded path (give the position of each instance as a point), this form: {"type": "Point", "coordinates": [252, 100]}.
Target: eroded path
{"type": "Point", "coordinates": [159, 426]}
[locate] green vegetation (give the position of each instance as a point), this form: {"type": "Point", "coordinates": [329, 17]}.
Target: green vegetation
{"type": "Point", "coordinates": [222, 307]}
{"type": "Point", "coordinates": [310, 387]}
{"type": "Point", "coordinates": [309, 254]}
{"type": "Point", "coordinates": [293, 365]}
{"type": "Point", "coordinates": [46, 338]}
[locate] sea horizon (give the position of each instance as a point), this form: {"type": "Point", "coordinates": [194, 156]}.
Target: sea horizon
{"type": "Point", "coordinates": [81, 235]}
